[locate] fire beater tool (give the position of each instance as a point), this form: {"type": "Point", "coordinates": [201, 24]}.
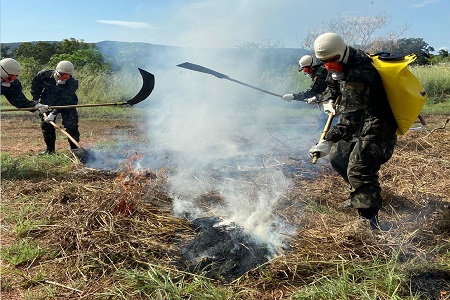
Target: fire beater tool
{"type": "Point", "coordinates": [198, 68]}
{"type": "Point", "coordinates": [322, 136]}
{"type": "Point", "coordinates": [80, 152]}
{"type": "Point", "coordinates": [148, 84]}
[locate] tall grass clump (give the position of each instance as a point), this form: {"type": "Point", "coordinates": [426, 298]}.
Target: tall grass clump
{"type": "Point", "coordinates": [36, 167]}
{"type": "Point", "coordinates": [21, 252]}
{"type": "Point", "coordinates": [435, 80]}
{"type": "Point", "coordinates": [367, 281]}
{"type": "Point", "coordinates": [165, 284]}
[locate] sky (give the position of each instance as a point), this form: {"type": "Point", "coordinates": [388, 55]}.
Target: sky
{"type": "Point", "coordinates": [211, 23]}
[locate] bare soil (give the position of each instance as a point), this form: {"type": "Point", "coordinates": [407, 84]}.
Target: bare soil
{"type": "Point", "coordinates": [104, 215]}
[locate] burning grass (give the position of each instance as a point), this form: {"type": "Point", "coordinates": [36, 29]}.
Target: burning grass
{"type": "Point", "coordinates": [105, 234]}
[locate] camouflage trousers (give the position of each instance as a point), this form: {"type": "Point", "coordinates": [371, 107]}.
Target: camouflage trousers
{"type": "Point", "coordinates": [69, 118]}
{"type": "Point", "coordinates": [358, 163]}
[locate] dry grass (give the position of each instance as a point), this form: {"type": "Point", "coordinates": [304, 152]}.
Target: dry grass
{"type": "Point", "coordinates": [94, 239]}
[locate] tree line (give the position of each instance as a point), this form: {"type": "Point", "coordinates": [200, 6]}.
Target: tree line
{"type": "Point", "coordinates": [40, 55]}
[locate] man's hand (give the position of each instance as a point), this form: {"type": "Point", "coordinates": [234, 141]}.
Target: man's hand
{"type": "Point", "coordinates": [41, 108]}
{"type": "Point", "coordinates": [314, 100]}
{"type": "Point", "coordinates": [50, 118]}
{"type": "Point", "coordinates": [288, 97]}
{"type": "Point", "coordinates": [321, 149]}
{"type": "Point", "coordinates": [329, 107]}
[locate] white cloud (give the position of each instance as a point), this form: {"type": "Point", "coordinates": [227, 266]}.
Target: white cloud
{"type": "Point", "coordinates": [135, 25]}
{"type": "Point", "coordinates": [424, 3]}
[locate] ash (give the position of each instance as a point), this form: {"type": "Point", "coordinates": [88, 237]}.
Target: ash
{"type": "Point", "coordinates": [222, 252]}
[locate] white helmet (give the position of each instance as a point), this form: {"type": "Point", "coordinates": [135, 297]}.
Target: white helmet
{"type": "Point", "coordinates": [10, 66]}
{"type": "Point", "coordinates": [65, 66]}
{"type": "Point", "coordinates": [328, 45]}
{"type": "Point", "coordinates": [307, 61]}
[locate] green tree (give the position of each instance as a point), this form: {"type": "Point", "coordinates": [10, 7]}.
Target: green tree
{"type": "Point", "coordinates": [30, 67]}
{"type": "Point", "coordinates": [70, 46]}
{"type": "Point", "coordinates": [443, 53]}
{"type": "Point", "coordinates": [413, 45]}
{"type": "Point", "coordinates": [90, 59]}
{"type": "Point", "coordinates": [40, 51]}
{"type": "Point", "coordinates": [5, 51]}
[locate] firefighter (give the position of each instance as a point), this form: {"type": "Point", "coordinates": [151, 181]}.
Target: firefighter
{"type": "Point", "coordinates": [365, 136]}
{"type": "Point", "coordinates": [318, 74]}
{"type": "Point", "coordinates": [57, 88]}
{"type": "Point", "coordinates": [12, 88]}
{"type": "Point", "coordinates": [320, 81]}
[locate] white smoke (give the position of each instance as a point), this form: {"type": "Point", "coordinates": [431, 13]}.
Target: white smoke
{"type": "Point", "coordinates": [219, 136]}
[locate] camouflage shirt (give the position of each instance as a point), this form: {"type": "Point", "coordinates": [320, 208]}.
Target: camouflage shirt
{"type": "Point", "coordinates": [44, 87]}
{"type": "Point", "coordinates": [318, 86]}
{"type": "Point", "coordinates": [15, 95]}
{"type": "Point", "coordinates": [364, 108]}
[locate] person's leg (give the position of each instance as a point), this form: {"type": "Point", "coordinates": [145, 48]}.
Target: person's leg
{"type": "Point", "coordinates": [339, 157]}
{"type": "Point", "coordinates": [48, 132]}
{"type": "Point", "coordinates": [364, 163]}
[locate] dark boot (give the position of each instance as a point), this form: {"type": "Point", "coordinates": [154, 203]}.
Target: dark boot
{"type": "Point", "coordinates": [370, 214]}
{"type": "Point", "coordinates": [72, 145]}
{"type": "Point", "coordinates": [50, 148]}
{"type": "Point", "coordinates": [47, 151]}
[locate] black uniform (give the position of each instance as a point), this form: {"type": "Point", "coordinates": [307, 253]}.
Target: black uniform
{"type": "Point", "coordinates": [44, 87]}
{"type": "Point", "coordinates": [365, 136]}
{"type": "Point", "coordinates": [15, 96]}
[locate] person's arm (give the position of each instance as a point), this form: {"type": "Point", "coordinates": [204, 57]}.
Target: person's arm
{"type": "Point", "coordinates": [68, 92]}
{"type": "Point", "coordinates": [15, 96]}
{"type": "Point", "coordinates": [318, 86]}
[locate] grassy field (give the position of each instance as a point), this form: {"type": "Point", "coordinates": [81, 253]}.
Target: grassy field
{"type": "Point", "coordinates": [63, 236]}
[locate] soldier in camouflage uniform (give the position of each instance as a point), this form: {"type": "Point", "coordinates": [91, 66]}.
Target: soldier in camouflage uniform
{"type": "Point", "coordinates": [55, 88]}
{"type": "Point", "coordinates": [320, 81]}
{"type": "Point", "coordinates": [11, 87]}
{"type": "Point", "coordinates": [365, 136]}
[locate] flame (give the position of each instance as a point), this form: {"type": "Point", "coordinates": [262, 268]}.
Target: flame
{"type": "Point", "coordinates": [133, 183]}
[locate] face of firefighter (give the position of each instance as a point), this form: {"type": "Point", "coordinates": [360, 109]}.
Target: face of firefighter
{"type": "Point", "coordinates": [308, 71]}
{"type": "Point", "coordinates": [61, 78]}
{"type": "Point", "coordinates": [7, 78]}
{"type": "Point", "coordinates": [336, 69]}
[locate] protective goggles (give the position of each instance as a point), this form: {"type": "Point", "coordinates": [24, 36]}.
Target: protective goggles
{"type": "Point", "coordinates": [10, 77]}
{"type": "Point", "coordinates": [333, 66]}
{"type": "Point", "coordinates": [308, 70]}
{"type": "Point", "coordinates": [63, 76]}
